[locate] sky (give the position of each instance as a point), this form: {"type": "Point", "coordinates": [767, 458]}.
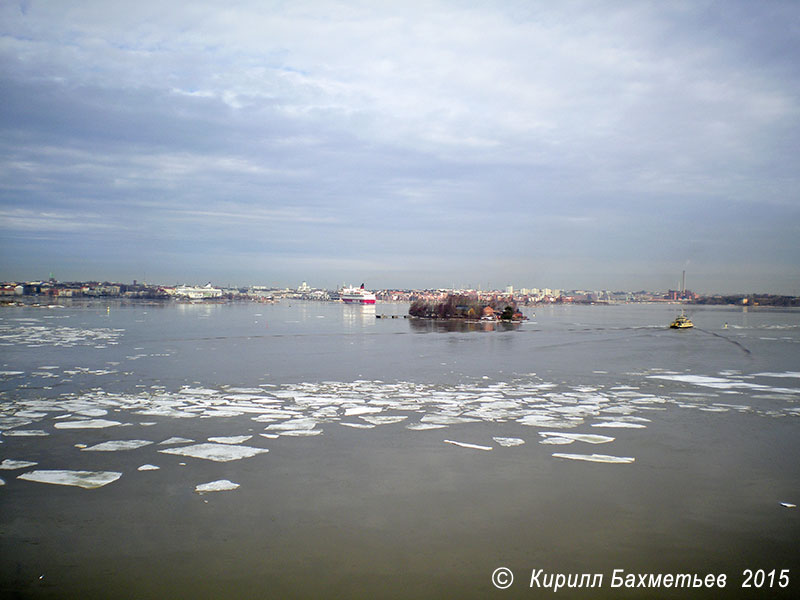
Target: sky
{"type": "Point", "coordinates": [571, 145]}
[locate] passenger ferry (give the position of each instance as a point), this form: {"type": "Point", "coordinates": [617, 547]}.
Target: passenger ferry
{"type": "Point", "coordinates": [351, 295]}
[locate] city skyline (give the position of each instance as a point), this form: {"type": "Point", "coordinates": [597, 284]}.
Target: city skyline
{"type": "Point", "coordinates": [582, 145]}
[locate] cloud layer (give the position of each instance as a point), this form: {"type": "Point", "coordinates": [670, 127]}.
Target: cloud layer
{"type": "Point", "coordinates": [541, 144]}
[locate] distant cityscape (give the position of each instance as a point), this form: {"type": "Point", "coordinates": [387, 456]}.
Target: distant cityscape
{"type": "Point", "coordinates": [52, 291]}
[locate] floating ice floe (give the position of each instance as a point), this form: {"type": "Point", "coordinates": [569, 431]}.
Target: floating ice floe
{"type": "Point", "coordinates": [589, 438]}
{"type": "Point", "coordinates": [175, 440]}
{"type": "Point", "coordinates": [603, 458]}
{"type": "Point", "coordinates": [221, 485]}
{"type": "Point", "coordinates": [387, 420]}
{"type": "Point", "coordinates": [423, 426]}
{"type": "Point", "coordinates": [508, 442]}
{"type": "Point", "coordinates": [87, 424]}
{"type": "Point", "coordinates": [619, 425]}
{"type": "Point", "coordinates": [358, 425]}
{"type": "Point", "coordinates": [25, 433]}
{"type": "Point", "coordinates": [216, 452]}
{"type": "Point", "coordinates": [231, 439]}
{"type": "Point", "coordinates": [301, 432]}
{"type": "Point", "coordinates": [10, 465]}
{"type": "Point", "coordinates": [84, 479]}
{"type": "Point", "coordinates": [114, 445]}
{"type": "Point", "coordinates": [466, 445]}
{"type": "Point", "coordinates": [2, 482]}
{"type": "Point", "coordinates": [148, 467]}
{"type": "Point", "coordinates": [361, 410]}
{"type": "Point", "coordinates": [788, 505]}
{"type": "Point", "coordinates": [293, 424]}
{"type": "Point", "coordinates": [441, 419]}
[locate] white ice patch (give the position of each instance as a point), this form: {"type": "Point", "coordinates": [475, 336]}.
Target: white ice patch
{"type": "Point", "coordinates": [358, 425]}
{"type": "Point", "coordinates": [10, 465]}
{"type": "Point", "coordinates": [216, 452]}
{"type": "Point", "coordinates": [148, 467]}
{"type": "Point", "coordinates": [26, 433]}
{"type": "Point", "coordinates": [384, 420]}
{"type": "Point", "coordinates": [424, 426]}
{"type": "Point", "coordinates": [362, 410]}
{"type": "Point", "coordinates": [619, 425]}
{"type": "Point", "coordinates": [293, 424]}
{"type": "Point", "coordinates": [440, 419]}
{"type": "Point", "coordinates": [589, 438]}
{"type": "Point", "coordinates": [301, 432]}
{"type": "Point", "coordinates": [220, 485]}
{"type": "Point", "coordinates": [175, 440]}
{"type": "Point", "coordinates": [557, 441]}
{"type": "Point", "coordinates": [85, 479]}
{"type": "Point", "coordinates": [603, 458]}
{"type": "Point", "coordinates": [788, 505]}
{"type": "Point", "coordinates": [508, 442]}
{"type": "Point", "coordinates": [232, 439]}
{"type": "Point", "coordinates": [87, 424]}
{"type": "Point", "coordinates": [466, 445]}
{"type": "Point", "coordinates": [791, 374]}
{"type": "Point", "coordinates": [115, 445]}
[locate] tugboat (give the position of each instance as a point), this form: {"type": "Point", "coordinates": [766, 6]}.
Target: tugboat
{"type": "Point", "coordinates": [681, 322]}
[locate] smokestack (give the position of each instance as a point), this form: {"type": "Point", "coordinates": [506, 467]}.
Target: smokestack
{"type": "Point", "coordinates": [683, 284]}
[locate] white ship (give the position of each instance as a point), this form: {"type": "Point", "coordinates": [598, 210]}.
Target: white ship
{"type": "Point", "coordinates": [351, 295]}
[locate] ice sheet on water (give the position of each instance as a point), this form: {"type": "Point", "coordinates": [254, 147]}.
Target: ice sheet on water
{"type": "Point", "coordinates": [424, 426]}
{"type": "Point", "coordinates": [539, 420]}
{"type": "Point", "coordinates": [216, 452]}
{"type": "Point", "coordinates": [175, 440]}
{"type": "Point", "coordinates": [602, 458]}
{"type": "Point", "coordinates": [84, 479]}
{"type": "Point", "coordinates": [467, 445]}
{"type": "Point", "coordinates": [10, 422]}
{"type": "Point", "coordinates": [293, 424]}
{"type": "Point", "coordinates": [508, 442]}
{"type": "Point", "coordinates": [357, 425]}
{"type": "Point", "coordinates": [25, 433]}
{"type": "Point", "coordinates": [588, 438]}
{"type": "Point", "coordinates": [361, 410]}
{"type": "Point", "coordinates": [148, 467]}
{"type": "Point", "coordinates": [230, 439]}
{"type": "Point", "coordinates": [301, 432]}
{"type": "Point", "coordinates": [788, 505]}
{"type": "Point", "coordinates": [790, 374]}
{"type": "Point", "coordinates": [11, 465]}
{"type": "Point", "coordinates": [619, 425]}
{"type": "Point", "coordinates": [220, 485]}
{"type": "Point", "coordinates": [115, 445]}
{"type": "Point", "coordinates": [387, 420]}
{"type": "Point", "coordinates": [557, 440]}
{"type": "Point", "coordinates": [87, 424]}
{"type": "Point", "coordinates": [441, 419]}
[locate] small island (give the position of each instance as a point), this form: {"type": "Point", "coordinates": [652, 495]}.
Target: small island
{"type": "Point", "coordinates": [468, 308]}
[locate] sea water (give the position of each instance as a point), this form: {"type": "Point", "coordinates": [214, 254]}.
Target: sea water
{"type": "Point", "coordinates": [302, 449]}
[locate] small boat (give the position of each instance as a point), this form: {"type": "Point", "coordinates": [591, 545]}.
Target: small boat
{"type": "Point", "coordinates": [681, 322]}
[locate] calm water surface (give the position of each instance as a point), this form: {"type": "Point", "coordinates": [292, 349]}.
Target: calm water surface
{"type": "Point", "coordinates": [600, 440]}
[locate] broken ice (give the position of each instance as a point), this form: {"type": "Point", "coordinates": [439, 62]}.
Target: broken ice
{"type": "Point", "coordinates": [466, 445]}
{"type": "Point", "coordinates": [10, 465]}
{"type": "Point", "coordinates": [221, 485]}
{"type": "Point", "coordinates": [114, 445]}
{"type": "Point", "coordinates": [603, 458]}
{"type": "Point", "coordinates": [216, 452]}
{"type": "Point", "coordinates": [84, 479]}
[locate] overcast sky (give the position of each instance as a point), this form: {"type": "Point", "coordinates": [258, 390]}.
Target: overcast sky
{"type": "Point", "coordinates": [597, 145]}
